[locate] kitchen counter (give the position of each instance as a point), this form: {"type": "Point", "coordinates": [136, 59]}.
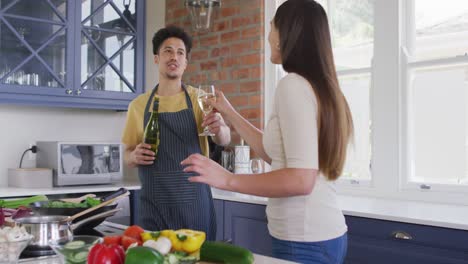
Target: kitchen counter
{"type": "Point", "coordinates": [259, 259]}
{"type": "Point", "coordinates": [6, 192]}
{"type": "Point", "coordinates": [431, 214]}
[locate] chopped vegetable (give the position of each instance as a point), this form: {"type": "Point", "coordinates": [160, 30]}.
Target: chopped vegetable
{"type": "Point", "coordinates": [12, 242]}
{"type": "Point", "coordinates": [89, 202]}
{"type": "Point", "coordinates": [14, 234]}
{"type": "Point", "coordinates": [92, 202]}
{"type": "Point", "coordinates": [177, 258]}
{"type": "Point", "coordinates": [76, 252]}
{"type": "Point", "coordinates": [62, 204]}
{"type": "Point", "coordinates": [79, 257]}
{"type": "Point", "coordinates": [22, 202]}
{"type": "Point", "coordinates": [162, 245]}
{"type": "Point", "coordinates": [2, 217]}
{"type": "Point", "coordinates": [74, 245]}
{"type": "Point", "coordinates": [22, 211]}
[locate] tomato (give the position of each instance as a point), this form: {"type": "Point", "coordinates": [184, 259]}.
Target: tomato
{"type": "Point", "coordinates": [127, 241]}
{"type": "Point", "coordinates": [112, 240]}
{"type": "Point", "coordinates": [134, 231]}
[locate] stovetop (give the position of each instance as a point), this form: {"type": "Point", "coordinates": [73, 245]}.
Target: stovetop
{"type": "Point", "coordinates": [104, 229]}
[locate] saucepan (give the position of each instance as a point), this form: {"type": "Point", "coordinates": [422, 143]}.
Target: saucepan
{"type": "Point", "coordinates": [53, 227]}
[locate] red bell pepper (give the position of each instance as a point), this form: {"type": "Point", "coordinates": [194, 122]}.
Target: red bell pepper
{"type": "Point", "coordinates": [106, 254]}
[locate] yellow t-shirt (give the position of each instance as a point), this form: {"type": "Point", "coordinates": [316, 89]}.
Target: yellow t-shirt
{"type": "Point", "coordinates": [133, 131]}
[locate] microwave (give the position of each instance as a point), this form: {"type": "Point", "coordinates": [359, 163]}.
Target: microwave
{"type": "Point", "coordinates": [81, 163]}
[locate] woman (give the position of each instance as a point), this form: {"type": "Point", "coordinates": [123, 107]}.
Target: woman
{"type": "Point", "coordinates": [305, 141]}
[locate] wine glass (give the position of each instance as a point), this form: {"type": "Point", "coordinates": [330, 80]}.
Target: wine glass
{"type": "Point", "coordinates": [256, 165]}
{"type": "Point", "coordinates": [227, 157]}
{"type": "Point", "coordinates": [206, 92]}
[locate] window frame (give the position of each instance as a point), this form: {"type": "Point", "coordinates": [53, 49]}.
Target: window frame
{"type": "Point", "coordinates": [409, 64]}
{"type": "Point", "coordinates": [388, 108]}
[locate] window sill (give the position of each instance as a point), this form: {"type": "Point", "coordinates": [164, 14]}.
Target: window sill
{"type": "Point", "coordinates": [414, 212]}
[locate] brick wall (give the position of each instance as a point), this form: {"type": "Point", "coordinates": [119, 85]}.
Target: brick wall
{"type": "Point", "coordinates": [230, 56]}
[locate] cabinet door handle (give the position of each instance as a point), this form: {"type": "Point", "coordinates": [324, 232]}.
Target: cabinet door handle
{"type": "Point", "coordinates": [401, 235]}
{"type": "Point", "coordinates": [68, 91]}
{"type": "Point", "coordinates": [227, 240]}
{"type": "Point", "coordinates": [78, 92]}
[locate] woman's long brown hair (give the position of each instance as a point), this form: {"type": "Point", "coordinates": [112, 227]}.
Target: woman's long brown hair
{"type": "Point", "coordinates": [306, 49]}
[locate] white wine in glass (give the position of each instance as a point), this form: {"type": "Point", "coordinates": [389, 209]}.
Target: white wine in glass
{"type": "Point", "coordinates": [205, 93]}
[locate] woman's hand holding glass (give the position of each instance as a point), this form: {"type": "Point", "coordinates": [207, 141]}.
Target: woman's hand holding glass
{"type": "Point", "coordinates": [222, 105]}
{"type": "Point", "coordinates": [213, 122]}
{"type": "Point", "coordinates": [206, 95]}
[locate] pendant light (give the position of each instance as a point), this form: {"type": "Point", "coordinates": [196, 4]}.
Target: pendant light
{"type": "Point", "coordinates": [202, 13]}
{"type": "Point", "coordinates": [120, 24]}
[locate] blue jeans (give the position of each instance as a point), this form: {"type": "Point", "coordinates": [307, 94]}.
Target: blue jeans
{"type": "Point", "coordinates": [331, 251]}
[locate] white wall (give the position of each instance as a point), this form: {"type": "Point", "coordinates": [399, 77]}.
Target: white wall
{"type": "Point", "coordinates": [23, 125]}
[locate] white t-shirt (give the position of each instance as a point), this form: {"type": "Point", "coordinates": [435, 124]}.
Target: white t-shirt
{"type": "Point", "coordinates": [291, 141]}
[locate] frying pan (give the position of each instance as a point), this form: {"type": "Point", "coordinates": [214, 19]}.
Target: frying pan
{"type": "Point", "coordinates": [52, 227]}
{"type": "Point", "coordinates": [42, 209]}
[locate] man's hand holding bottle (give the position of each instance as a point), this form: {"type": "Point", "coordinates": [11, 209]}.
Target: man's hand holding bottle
{"type": "Point", "coordinates": [142, 155]}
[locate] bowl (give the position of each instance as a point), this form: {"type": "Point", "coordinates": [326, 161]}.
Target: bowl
{"type": "Point", "coordinates": [75, 249]}
{"type": "Point", "coordinates": [11, 250]}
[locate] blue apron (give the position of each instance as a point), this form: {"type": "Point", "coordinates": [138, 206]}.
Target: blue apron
{"type": "Point", "coordinates": [168, 200]}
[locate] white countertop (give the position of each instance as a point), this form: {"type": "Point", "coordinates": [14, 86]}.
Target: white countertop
{"type": "Point", "coordinates": [424, 213]}
{"type": "Point", "coordinates": [258, 259]}
{"type": "Point", "coordinates": [6, 192]}
{"type": "Point", "coordinates": [432, 214]}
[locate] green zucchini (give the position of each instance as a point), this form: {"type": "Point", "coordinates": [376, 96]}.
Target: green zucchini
{"type": "Point", "coordinates": [225, 253]}
{"type": "Point", "coordinates": [22, 202]}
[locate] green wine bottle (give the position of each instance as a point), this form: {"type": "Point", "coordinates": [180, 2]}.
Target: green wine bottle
{"type": "Point", "coordinates": [151, 134]}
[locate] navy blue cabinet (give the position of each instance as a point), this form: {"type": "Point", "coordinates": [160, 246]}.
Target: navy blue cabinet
{"type": "Point", "coordinates": [86, 54]}
{"type": "Point", "coordinates": [134, 207]}
{"type": "Point", "coordinates": [380, 241]}
{"type": "Point", "coordinates": [246, 226]}
{"type": "Point", "coordinates": [370, 241]}
{"type": "Point", "coordinates": [219, 210]}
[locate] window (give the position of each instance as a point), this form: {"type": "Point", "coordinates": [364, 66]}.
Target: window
{"type": "Point", "coordinates": [435, 90]}
{"type": "Point", "coordinates": [352, 30]}
{"type": "Point", "coordinates": [403, 67]}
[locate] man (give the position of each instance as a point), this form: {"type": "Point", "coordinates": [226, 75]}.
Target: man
{"type": "Point", "coordinates": [168, 200]}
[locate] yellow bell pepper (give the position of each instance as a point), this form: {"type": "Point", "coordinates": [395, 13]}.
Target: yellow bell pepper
{"type": "Point", "coordinates": [185, 239]}
{"type": "Point", "coordinates": [191, 239]}
{"type": "Point", "coordinates": [176, 243]}
{"type": "Point", "coordinates": [145, 236]}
